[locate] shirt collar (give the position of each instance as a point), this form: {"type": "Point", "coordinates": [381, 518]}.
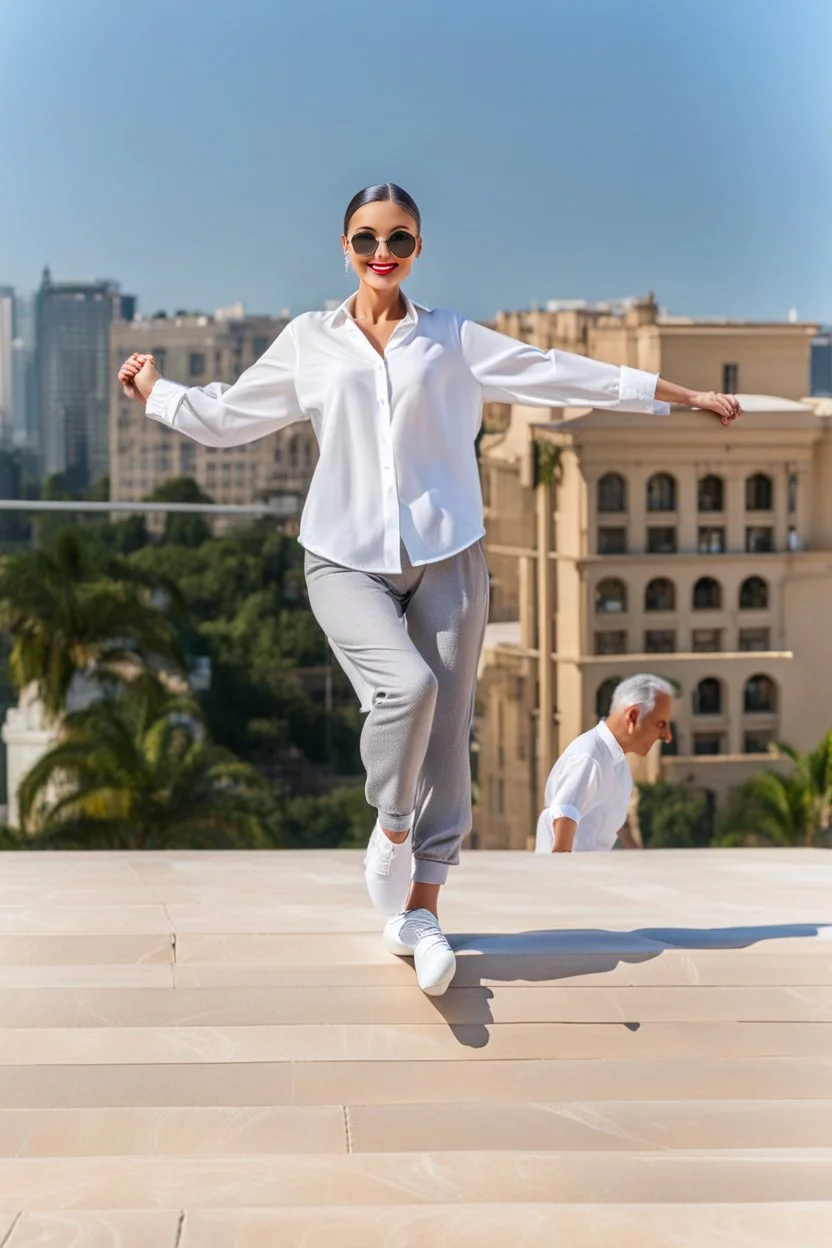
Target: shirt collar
{"type": "Point", "coordinates": [610, 742]}
{"type": "Point", "coordinates": [344, 311]}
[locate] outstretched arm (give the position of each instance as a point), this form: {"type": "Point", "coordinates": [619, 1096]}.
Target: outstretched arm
{"type": "Point", "coordinates": [510, 371]}
{"type": "Point", "coordinates": [262, 400]}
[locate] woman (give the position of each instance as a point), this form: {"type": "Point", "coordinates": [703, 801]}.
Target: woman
{"type": "Point", "coordinates": [392, 527]}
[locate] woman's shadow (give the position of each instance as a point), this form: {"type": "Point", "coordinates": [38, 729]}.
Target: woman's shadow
{"type": "Point", "coordinates": [560, 954]}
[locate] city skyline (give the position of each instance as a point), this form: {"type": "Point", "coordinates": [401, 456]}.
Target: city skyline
{"type": "Point", "coordinates": [563, 153]}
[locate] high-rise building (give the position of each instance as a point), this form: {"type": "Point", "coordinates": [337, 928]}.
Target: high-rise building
{"type": "Point", "coordinates": [196, 349]}
{"type": "Point", "coordinates": [621, 543]}
{"type": "Point", "coordinates": [72, 384]}
{"type": "Point", "coordinates": [24, 423]}
{"type": "Point", "coordinates": [6, 365]}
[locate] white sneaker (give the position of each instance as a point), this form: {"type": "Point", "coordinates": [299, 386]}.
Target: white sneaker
{"type": "Point", "coordinates": [416, 934]}
{"type": "Point", "coordinates": [387, 868]}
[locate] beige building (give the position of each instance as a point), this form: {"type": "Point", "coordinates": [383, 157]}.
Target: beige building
{"type": "Point", "coordinates": [621, 543]}
{"type": "Point", "coordinates": [196, 350]}
{"type": "Point", "coordinates": [752, 357]}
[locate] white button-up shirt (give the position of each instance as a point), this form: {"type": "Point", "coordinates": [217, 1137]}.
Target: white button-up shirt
{"type": "Point", "coordinates": [396, 433]}
{"type": "Point", "coordinates": [591, 783]}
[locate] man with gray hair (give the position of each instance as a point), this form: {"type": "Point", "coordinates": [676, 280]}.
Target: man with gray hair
{"type": "Point", "coordinates": [589, 788]}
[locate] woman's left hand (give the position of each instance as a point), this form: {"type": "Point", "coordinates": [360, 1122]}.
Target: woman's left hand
{"type": "Point", "coordinates": [725, 406]}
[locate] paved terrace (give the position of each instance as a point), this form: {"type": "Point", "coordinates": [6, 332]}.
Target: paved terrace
{"type": "Point", "coordinates": [212, 1050]}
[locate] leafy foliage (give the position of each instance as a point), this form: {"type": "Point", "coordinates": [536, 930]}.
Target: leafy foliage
{"type": "Point", "coordinates": [137, 771]}
{"type": "Point", "coordinates": [70, 607]}
{"type": "Point", "coordinates": [773, 808]}
{"type": "Point", "coordinates": [674, 816]}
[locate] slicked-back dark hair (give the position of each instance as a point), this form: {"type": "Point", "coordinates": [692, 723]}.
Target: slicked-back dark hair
{"type": "Point", "coordinates": [382, 191]}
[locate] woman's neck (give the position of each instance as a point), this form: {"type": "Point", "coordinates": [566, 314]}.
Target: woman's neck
{"type": "Point", "coordinates": [373, 305]}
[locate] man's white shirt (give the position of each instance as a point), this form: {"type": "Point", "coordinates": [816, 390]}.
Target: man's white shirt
{"type": "Point", "coordinates": [591, 783]}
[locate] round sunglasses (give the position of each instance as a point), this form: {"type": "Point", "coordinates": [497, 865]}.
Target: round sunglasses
{"type": "Point", "coordinates": [400, 244]}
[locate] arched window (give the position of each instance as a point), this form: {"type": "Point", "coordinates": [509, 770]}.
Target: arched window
{"type": "Point", "coordinates": [707, 697]}
{"type": "Point", "coordinates": [661, 492]}
{"type": "Point", "coordinates": [759, 492]}
{"type": "Point", "coordinates": [610, 596]}
{"type": "Point", "coordinates": [754, 594]}
{"type": "Point", "coordinates": [603, 695]}
{"type": "Point", "coordinates": [660, 595]}
{"type": "Point", "coordinates": [711, 493]}
{"type": "Point", "coordinates": [707, 594]}
{"type": "Point", "coordinates": [760, 694]}
{"type": "Point", "coordinates": [612, 492]}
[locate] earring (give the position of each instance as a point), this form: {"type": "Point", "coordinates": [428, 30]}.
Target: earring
{"type": "Point", "coordinates": [346, 262]}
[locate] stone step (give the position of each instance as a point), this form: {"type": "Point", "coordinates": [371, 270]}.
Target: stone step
{"type": "Point", "coordinates": [401, 1082]}
{"type": "Point", "coordinates": [172, 1131]}
{"type": "Point", "coordinates": [580, 1126]}
{"type": "Point", "coordinates": [392, 1179]}
{"type": "Point", "coordinates": [696, 968]}
{"type": "Point", "coordinates": [700, 968]}
{"type": "Point", "coordinates": [765, 1225]}
{"type": "Point", "coordinates": [70, 1007]}
{"type": "Point", "coordinates": [796, 1224]}
{"type": "Point", "coordinates": [603, 946]}
{"type": "Point", "coordinates": [306, 1042]}
{"type": "Point", "coordinates": [71, 949]}
{"type": "Point", "coordinates": [592, 1125]}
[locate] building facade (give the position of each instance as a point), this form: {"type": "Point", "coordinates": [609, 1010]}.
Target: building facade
{"type": "Point", "coordinates": [24, 421]}
{"type": "Point", "coordinates": [195, 350]}
{"type": "Point", "coordinates": [72, 383]}
{"type": "Point", "coordinates": [621, 543]}
{"type": "Point", "coordinates": [734, 356]}
{"type": "Point", "coordinates": [6, 365]}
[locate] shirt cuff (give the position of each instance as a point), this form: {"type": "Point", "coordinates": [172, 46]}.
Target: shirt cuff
{"type": "Point", "coordinates": [565, 812]}
{"type": "Point", "coordinates": [164, 400]}
{"type": "Point", "coordinates": [637, 392]}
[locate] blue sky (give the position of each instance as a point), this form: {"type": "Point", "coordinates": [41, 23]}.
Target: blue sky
{"type": "Point", "coordinates": [202, 151]}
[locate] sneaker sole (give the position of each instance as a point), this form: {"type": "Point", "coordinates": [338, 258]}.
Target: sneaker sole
{"type": "Point", "coordinates": [397, 948]}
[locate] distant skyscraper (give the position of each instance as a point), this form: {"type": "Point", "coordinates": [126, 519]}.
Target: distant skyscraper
{"type": "Point", "coordinates": [72, 374]}
{"type": "Point", "coordinates": [822, 363]}
{"type": "Point", "coordinates": [24, 423]}
{"type": "Point", "coordinates": [6, 358]}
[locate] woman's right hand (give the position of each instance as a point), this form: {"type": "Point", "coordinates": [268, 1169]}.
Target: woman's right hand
{"type": "Point", "coordinates": [138, 375]}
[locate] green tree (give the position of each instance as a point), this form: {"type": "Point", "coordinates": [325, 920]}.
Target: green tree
{"type": "Point", "coordinates": [773, 808]}
{"type": "Point", "coordinates": [138, 771]}
{"type": "Point", "coordinates": [71, 607]}
{"type": "Point", "coordinates": [673, 816]}
{"type": "Point", "coordinates": [245, 594]}
{"type": "Point", "coordinates": [326, 821]}
{"type": "Point", "coordinates": [182, 528]}
{"type": "Point", "coordinates": [11, 839]}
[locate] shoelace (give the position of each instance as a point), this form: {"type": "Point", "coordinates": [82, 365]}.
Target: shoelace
{"type": "Point", "coordinates": [421, 925]}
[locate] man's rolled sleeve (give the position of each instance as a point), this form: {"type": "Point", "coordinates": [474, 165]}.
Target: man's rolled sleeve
{"type": "Point", "coordinates": [575, 791]}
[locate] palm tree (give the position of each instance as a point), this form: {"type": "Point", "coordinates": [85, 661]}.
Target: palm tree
{"type": "Point", "coordinates": [775, 809]}
{"type": "Point", "coordinates": [137, 771]}
{"type": "Point", "coordinates": [71, 607]}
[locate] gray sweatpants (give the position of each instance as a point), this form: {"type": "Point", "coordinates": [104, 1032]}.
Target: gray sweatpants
{"type": "Point", "coordinates": [410, 644]}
